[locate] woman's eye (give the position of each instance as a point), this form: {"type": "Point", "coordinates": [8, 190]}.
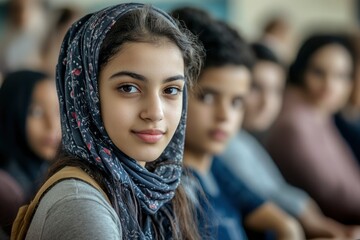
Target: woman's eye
{"type": "Point", "coordinates": [172, 91]}
{"type": "Point", "coordinates": [207, 98]}
{"type": "Point", "coordinates": [128, 89]}
{"type": "Point", "coordinates": [317, 71]}
{"type": "Point", "coordinates": [237, 103]}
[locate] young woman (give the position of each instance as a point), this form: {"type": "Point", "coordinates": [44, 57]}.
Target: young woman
{"type": "Point", "coordinates": [215, 112]}
{"type": "Point", "coordinates": [304, 141]}
{"type": "Point", "coordinates": [121, 80]}
{"type": "Point", "coordinates": [29, 127]}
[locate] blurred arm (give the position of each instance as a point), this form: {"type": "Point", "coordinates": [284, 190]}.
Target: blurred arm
{"type": "Point", "coordinates": [269, 217]}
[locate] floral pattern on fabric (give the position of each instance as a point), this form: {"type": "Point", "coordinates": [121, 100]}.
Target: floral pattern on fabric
{"type": "Point", "coordinates": [83, 132]}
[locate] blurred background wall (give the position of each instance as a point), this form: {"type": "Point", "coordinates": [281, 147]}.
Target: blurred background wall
{"type": "Point", "coordinates": [249, 16]}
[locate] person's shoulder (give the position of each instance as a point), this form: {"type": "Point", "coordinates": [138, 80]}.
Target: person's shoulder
{"type": "Point", "coordinates": [69, 203]}
{"type": "Point", "coordinates": [74, 189]}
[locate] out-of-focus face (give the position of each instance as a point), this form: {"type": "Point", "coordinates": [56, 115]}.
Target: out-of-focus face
{"type": "Point", "coordinates": [43, 129]}
{"type": "Point", "coordinates": [216, 108]}
{"type": "Point", "coordinates": [264, 100]}
{"type": "Point", "coordinates": [327, 80]}
{"type": "Point", "coordinates": [141, 98]}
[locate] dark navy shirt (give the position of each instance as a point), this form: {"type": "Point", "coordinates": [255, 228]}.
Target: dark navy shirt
{"type": "Point", "coordinates": [351, 133]}
{"type": "Point", "coordinates": [224, 202]}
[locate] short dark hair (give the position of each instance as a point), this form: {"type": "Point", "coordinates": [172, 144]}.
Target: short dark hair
{"type": "Point", "coordinates": [222, 43]}
{"type": "Point", "coordinates": [264, 53]}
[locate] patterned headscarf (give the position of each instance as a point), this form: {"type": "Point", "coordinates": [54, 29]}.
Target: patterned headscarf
{"type": "Point", "coordinates": [84, 135]}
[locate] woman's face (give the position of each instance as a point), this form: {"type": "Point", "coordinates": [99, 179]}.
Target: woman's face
{"type": "Point", "coordinates": [216, 108]}
{"type": "Point", "coordinates": [141, 98]}
{"type": "Point", "coordinates": [43, 129]}
{"type": "Point", "coordinates": [327, 79]}
{"type": "Point", "coordinates": [264, 100]}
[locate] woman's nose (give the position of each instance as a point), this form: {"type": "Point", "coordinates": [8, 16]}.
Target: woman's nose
{"type": "Point", "coordinates": [153, 108]}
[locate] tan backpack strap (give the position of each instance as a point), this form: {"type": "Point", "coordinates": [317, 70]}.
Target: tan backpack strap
{"type": "Point", "coordinates": [23, 219]}
{"type": "Point", "coordinates": [75, 173]}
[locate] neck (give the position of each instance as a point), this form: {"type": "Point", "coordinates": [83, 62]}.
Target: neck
{"type": "Point", "coordinates": [258, 134]}
{"type": "Point", "coordinates": [199, 161]}
{"type": "Point", "coordinates": [319, 111]}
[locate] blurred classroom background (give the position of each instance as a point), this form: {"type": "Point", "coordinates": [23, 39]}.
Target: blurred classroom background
{"type": "Point", "coordinates": [248, 16]}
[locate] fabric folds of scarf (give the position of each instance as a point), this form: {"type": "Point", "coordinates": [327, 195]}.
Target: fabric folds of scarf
{"type": "Point", "coordinates": [83, 132]}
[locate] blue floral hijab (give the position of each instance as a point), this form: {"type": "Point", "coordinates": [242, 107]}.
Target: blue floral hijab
{"type": "Point", "coordinates": [85, 137]}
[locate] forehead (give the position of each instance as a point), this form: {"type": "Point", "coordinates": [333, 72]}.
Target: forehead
{"type": "Point", "coordinates": [331, 55]}
{"type": "Point", "coordinates": [149, 59]}
{"type": "Point", "coordinates": [268, 73]}
{"type": "Point", "coordinates": [227, 79]}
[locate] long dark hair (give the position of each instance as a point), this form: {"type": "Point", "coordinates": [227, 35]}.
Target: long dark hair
{"type": "Point", "coordinates": [144, 25]}
{"type": "Point", "coordinates": [15, 98]}
{"type": "Point", "coordinates": [15, 150]}
{"type": "Point", "coordinates": [307, 50]}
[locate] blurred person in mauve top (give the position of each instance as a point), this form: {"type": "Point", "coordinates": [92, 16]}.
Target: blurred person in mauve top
{"type": "Point", "coordinates": [304, 141]}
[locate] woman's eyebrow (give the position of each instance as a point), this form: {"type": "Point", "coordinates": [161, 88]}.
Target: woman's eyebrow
{"type": "Point", "coordinates": [209, 90]}
{"type": "Point", "coordinates": [175, 78]}
{"type": "Point", "coordinates": [143, 78]}
{"type": "Point", "coordinates": [128, 74]}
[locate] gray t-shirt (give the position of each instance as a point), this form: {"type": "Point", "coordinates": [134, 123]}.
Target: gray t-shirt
{"type": "Point", "coordinates": [72, 209]}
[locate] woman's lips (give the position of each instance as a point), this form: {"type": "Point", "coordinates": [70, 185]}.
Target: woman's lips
{"type": "Point", "coordinates": [149, 135]}
{"type": "Point", "coordinates": [218, 135]}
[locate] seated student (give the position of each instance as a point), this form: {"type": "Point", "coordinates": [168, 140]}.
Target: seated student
{"type": "Point", "coordinates": [249, 161]}
{"type": "Point", "coordinates": [215, 110]}
{"type": "Point", "coordinates": [304, 142]}
{"type": "Point", "coordinates": [123, 96]}
{"type": "Point", "coordinates": [29, 127]}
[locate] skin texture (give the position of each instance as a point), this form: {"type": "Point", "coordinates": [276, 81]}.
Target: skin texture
{"type": "Point", "coordinates": [137, 93]}
{"type": "Point", "coordinates": [263, 103]}
{"type": "Point", "coordinates": [42, 124]}
{"type": "Point", "coordinates": [327, 80]}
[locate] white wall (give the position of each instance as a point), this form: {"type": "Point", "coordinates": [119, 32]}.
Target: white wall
{"type": "Point", "coordinates": [248, 15]}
